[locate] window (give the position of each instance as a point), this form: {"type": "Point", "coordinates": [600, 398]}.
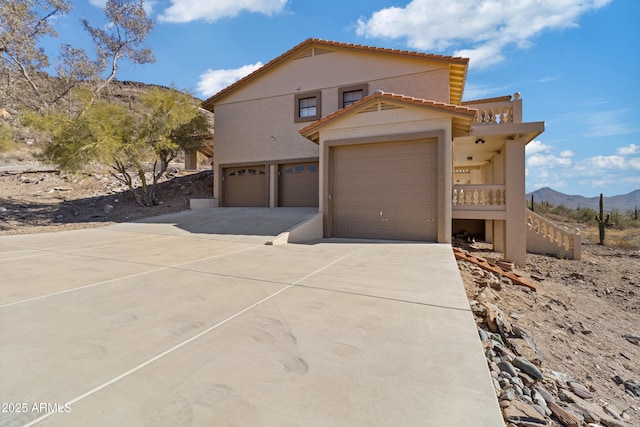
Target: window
{"type": "Point", "coordinates": [350, 97]}
{"type": "Point", "coordinates": [307, 106]}
{"type": "Point", "coordinates": [351, 94]}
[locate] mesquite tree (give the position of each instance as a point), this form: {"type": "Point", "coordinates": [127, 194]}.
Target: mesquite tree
{"type": "Point", "coordinates": [137, 145]}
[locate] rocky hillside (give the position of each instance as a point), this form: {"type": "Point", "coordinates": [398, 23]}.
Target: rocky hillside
{"type": "Point", "coordinates": [127, 93]}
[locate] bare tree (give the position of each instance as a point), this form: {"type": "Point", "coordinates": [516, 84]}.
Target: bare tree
{"type": "Point", "coordinates": [123, 38]}
{"type": "Point", "coordinates": [25, 23]}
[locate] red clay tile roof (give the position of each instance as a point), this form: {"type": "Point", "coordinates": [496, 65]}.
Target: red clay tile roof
{"type": "Point", "coordinates": [209, 103]}
{"type": "Point", "coordinates": [505, 98]}
{"type": "Point", "coordinates": [447, 108]}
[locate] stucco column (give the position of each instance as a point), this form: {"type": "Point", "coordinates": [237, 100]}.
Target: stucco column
{"type": "Point", "coordinates": [515, 227]}
{"type": "Point", "coordinates": [272, 186]}
{"type": "Point", "coordinates": [445, 187]}
{"type": "Point", "coordinates": [190, 158]}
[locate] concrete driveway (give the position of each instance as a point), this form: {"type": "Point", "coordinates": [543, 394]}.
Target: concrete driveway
{"type": "Point", "coordinates": [180, 321]}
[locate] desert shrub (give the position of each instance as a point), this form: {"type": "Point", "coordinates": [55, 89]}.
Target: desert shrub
{"type": "Point", "coordinates": [619, 220]}
{"type": "Point", "coordinates": [561, 210]}
{"type": "Point", "coordinates": [6, 138]}
{"type": "Point", "coordinates": [583, 214]}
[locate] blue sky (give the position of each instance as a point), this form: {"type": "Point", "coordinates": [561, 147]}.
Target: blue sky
{"type": "Point", "coordinates": [576, 63]}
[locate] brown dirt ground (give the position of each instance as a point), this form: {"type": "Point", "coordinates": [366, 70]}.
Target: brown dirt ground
{"type": "Point", "coordinates": [34, 202]}
{"type": "Point", "coordinates": [577, 317]}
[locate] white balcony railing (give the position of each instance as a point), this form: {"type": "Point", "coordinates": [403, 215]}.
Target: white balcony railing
{"type": "Point", "coordinates": [546, 237]}
{"type": "Point", "coordinates": [489, 197]}
{"type": "Point", "coordinates": [497, 111]}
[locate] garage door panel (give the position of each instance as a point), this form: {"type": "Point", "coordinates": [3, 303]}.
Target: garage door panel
{"type": "Point", "coordinates": [397, 179]}
{"type": "Point", "coordinates": [298, 185]}
{"type": "Point", "coordinates": [245, 186]}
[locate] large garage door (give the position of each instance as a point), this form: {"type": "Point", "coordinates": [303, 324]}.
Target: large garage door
{"type": "Point", "coordinates": [245, 186]}
{"type": "Point", "coordinates": [385, 191]}
{"type": "Point", "coordinates": [298, 185]}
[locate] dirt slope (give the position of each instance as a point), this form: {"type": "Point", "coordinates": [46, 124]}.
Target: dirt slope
{"type": "Point", "coordinates": [583, 318]}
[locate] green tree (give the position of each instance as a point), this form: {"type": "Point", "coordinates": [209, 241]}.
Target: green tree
{"type": "Point", "coordinates": [138, 145]}
{"type": "Point", "coordinates": [6, 138]}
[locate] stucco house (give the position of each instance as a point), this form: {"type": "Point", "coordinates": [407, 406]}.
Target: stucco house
{"type": "Point", "coordinates": [380, 141]}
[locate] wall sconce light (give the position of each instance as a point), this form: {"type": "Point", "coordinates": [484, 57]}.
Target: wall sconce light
{"type": "Point", "coordinates": [479, 141]}
{"type": "Point", "coordinates": [273, 138]}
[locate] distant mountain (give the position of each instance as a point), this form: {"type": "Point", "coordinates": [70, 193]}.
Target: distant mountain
{"type": "Point", "coordinates": [622, 203]}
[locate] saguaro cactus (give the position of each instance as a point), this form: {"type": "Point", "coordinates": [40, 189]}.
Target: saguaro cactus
{"type": "Point", "coordinates": [602, 220]}
{"type": "Point", "coordinates": [532, 210]}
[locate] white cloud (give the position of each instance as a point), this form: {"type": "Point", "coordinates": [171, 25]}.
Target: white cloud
{"type": "Point", "coordinates": [548, 161]}
{"type": "Point", "coordinates": [536, 146]}
{"type": "Point", "coordinates": [213, 81]}
{"type": "Point", "coordinates": [182, 11]}
{"type": "Point", "coordinates": [542, 162]}
{"type": "Point", "coordinates": [629, 149]}
{"type": "Point", "coordinates": [611, 162]}
{"type": "Point", "coordinates": [607, 162]}
{"type": "Point", "coordinates": [478, 29]}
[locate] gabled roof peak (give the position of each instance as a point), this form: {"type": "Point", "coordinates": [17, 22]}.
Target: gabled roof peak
{"type": "Point", "coordinates": [379, 95]}
{"type": "Point", "coordinates": [314, 42]}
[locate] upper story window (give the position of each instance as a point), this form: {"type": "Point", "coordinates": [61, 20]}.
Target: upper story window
{"type": "Point", "coordinates": [307, 106]}
{"type": "Point", "coordinates": [350, 97]}
{"type": "Point", "coordinates": [351, 94]}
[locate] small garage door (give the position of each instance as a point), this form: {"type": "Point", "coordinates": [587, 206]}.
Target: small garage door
{"type": "Point", "coordinates": [385, 191]}
{"type": "Point", "coordinates": [298, 185]}
{"type": "Point", "coordinates": [245, 186]}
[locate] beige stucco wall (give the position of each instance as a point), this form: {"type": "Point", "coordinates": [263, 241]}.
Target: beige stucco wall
{"type": "Point", "coordinates": [419, 78]}
{"type": "Point", "coordinates": [260, 130]}
{"type": "Point", "coordinates": [255, 123]}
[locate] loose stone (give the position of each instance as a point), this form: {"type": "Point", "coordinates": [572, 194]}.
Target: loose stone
{"type": "Point", "coordinates": [633, 387]}
{"type": "Point", "coordinates": [528, 367]}
{"type": "Point", "coordinates": [537, 398]}
{"type": "Point", "coordinates": [545, 395]}
{"type": "Point", "coordinates": [508, 394]}
{"type": "Point", "coordinates": [508, 367]}
{"type": "Point", "coordinates": [580, 390]}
